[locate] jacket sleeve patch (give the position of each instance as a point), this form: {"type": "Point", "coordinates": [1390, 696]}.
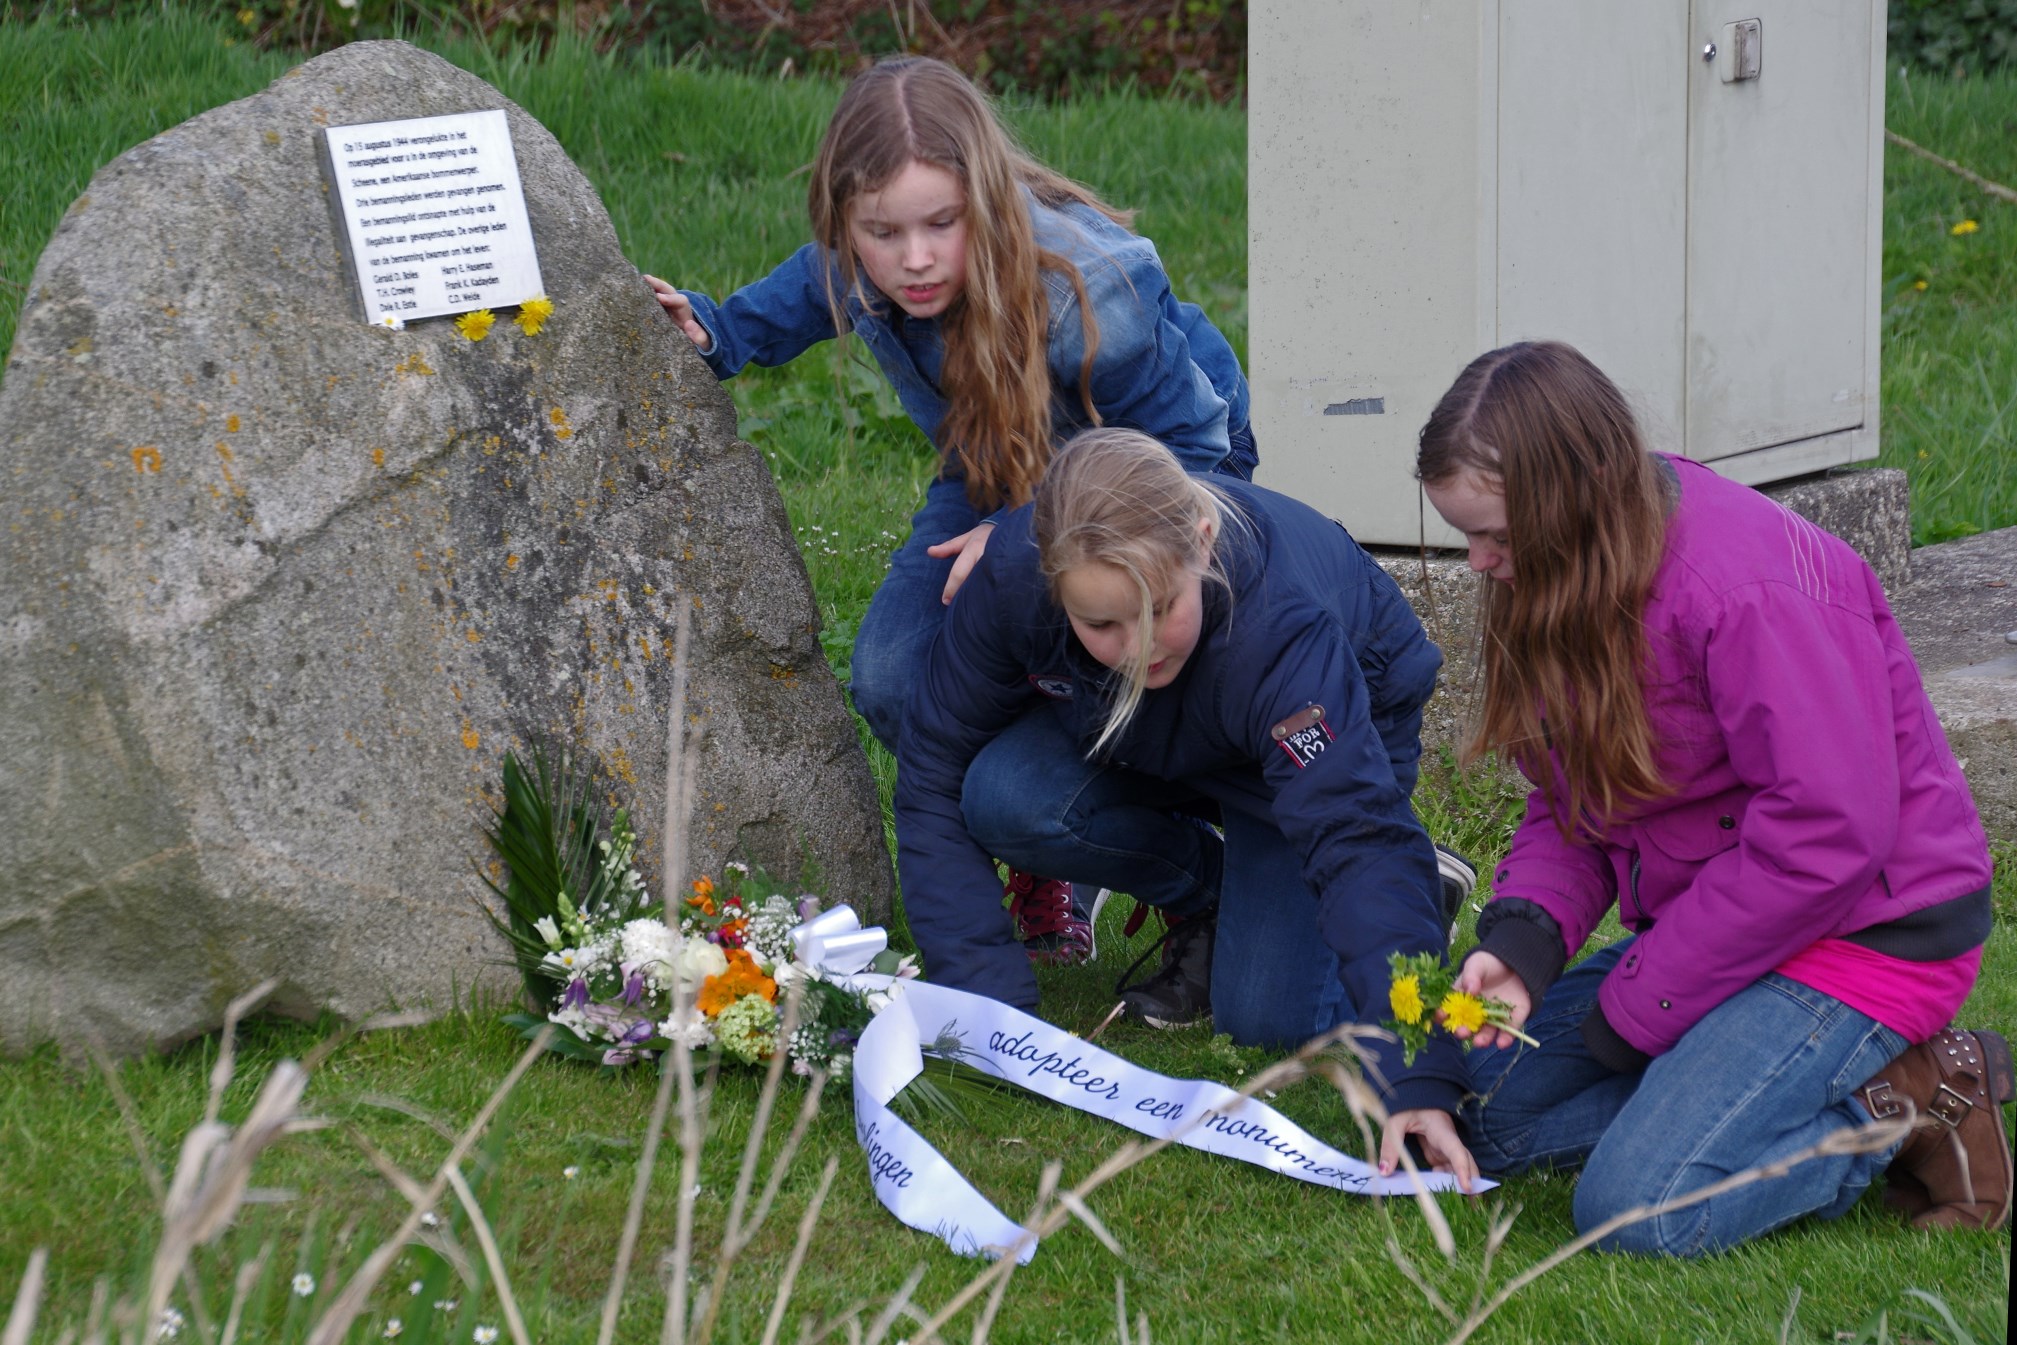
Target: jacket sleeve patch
{"type": "Point", "coordinates": [1303, 735]}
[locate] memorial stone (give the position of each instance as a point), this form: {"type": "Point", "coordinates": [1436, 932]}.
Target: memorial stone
{"type": "Point", "coordinates": [279, 587]}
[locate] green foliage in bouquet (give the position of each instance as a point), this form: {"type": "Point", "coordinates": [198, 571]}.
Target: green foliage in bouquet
{"type": "Point", "coordinates": [547, 835]}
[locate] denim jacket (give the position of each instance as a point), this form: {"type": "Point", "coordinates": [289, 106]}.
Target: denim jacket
{"type": "Point", "coordinates": [1161, 367]}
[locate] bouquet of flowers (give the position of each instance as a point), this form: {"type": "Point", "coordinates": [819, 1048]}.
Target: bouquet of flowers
{"type": "Point", "coordinates": [1424, 998]}
{"type": "Point", "coordinates": [600, 960]}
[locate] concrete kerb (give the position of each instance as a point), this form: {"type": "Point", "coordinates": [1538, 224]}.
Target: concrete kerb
{"type": "Point", "coordinates": [1956, 602]}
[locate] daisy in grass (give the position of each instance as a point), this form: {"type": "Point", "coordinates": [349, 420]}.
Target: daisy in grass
{"type": "Point", "coordinates": [1424, 979]}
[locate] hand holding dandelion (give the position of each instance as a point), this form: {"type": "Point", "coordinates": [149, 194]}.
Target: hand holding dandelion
{"type": "Point", "coordinates": [1483, 1007]}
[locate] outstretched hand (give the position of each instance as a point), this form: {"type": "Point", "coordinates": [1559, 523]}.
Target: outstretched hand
{"type": "Point", "coordinates": [1438, 1132]}
{"type": "Point", "coordinates": [968, 547]}
{"type": "Point", "coordinates": [1487, 977]}
{"type": "Point", "coordinates": [681, 309]}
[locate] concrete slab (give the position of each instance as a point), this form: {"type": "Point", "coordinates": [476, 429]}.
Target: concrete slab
{"type": "Point", "coordinates": [1960, 613]}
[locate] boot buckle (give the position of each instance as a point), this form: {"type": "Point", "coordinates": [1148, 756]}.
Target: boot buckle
{"type": "Point", "coordinates": [1883, 1104]}
{"type": "Point", "coordinates": [1949, 1107]}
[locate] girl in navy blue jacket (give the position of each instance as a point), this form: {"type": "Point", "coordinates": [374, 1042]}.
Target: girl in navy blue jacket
{"type": "Point", "coordinates": [1198, 643]}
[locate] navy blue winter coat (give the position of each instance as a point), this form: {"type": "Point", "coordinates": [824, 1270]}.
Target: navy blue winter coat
{"type": "Point", "coordinates": [1310, 620]}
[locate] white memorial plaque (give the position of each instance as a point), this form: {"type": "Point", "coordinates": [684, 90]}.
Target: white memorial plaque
{"type": "Point", "coordinates": [434, 215]}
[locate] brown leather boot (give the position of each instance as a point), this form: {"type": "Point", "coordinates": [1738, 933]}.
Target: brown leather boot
{"type": "Point", "coordinates": [1954, 1168]}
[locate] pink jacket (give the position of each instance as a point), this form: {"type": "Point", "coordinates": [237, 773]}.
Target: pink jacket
{"type": "Point", "coordinates": [1814, 793]}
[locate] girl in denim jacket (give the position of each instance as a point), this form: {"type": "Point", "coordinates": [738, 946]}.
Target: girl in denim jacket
{"type": "Point", "coordinates": [1729, 741]}
{"type": "Point", "coordinates": [1010, 307]}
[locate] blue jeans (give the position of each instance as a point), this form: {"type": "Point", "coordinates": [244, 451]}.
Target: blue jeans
{"type": "Point", "coordinates": [904, 615]}
{"type": "Point", "coordinates": [1764, 1075]}
{"type": "Point", "coordinates": [1033, 802]}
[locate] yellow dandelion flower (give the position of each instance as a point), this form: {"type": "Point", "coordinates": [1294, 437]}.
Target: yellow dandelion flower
{"type": "Point", "coordinates": [1460, 1010]}
{"type": "Point", "coordinates": [1966, 226]}
{"type": "Point", "coordinates": [1405, 998]}
{"type": "Point", "coordinates": [476, 325]}
{"type": "Point", "coordinates": [1918, 284]}
{"type": "Point", "coordinates": [532, 315]}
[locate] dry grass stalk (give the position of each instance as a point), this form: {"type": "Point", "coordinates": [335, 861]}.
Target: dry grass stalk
{"type": "Point", "coordinates": [241, 1288]}
{"type": "Point", "coordinates": [680, 766]}
{"type": "Point", "coordinates": [27, 1300]}
{"type": "Point", "coordinates": [1047, 1186]}
{"type": "Point", "coordinates": [1863, 1139]}
{"type": "Point", "coordinates": [806, 1224]}
{"type": "Point", "coordinates": [693, 1108]}
{"type": "Point", "coordinates": [507, 1301]}
{"type": "Point", "coordinates": [899, 1305]}
{"type": "Point", "coordinates": [742, 1226]}
{"type": "Point", "coordinates": [349, 1304]}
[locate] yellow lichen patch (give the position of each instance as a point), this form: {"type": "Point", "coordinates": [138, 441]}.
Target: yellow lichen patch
{"type": "Point", "coordinates": [473, 637]}
{"type": "Point", "coordinates": [170, 311]}
{"type": "Point", "coordinates": [561, 429]}
{"type": "Point", "coordinates": [780, 673]}
{"type": "Point", "coordinates": [146, 458]}
{"type": "Point", "coordinates": [223, 450]}
{"type": "Point", "coordinates": [644, 648]}
{"type": "Point", "coordinates": [412, 364]}
{"type": "Point", "coordinates": [231, 424]}
{"type": "Point", "coordinates": [619, 765]}
{"type": "Point", "coordinates": [79, 348]}
{"type": "Point", "coordinates": [377, 457]}
{"type": "Point", "coordinates": [511, 562]}
{"type": "Point", "coordinates": [320, 116]}
{"type": "Point", "coordinates": [471, 739]}
{"type": "Point", "coordinates": [272, 137]}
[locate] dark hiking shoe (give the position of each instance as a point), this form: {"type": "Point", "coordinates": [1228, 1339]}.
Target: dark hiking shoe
{"type": "Point", "coordinates": [1179, 992]}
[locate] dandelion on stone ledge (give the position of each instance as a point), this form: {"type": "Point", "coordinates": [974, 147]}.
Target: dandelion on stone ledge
{"type": "Point", "coordinates": [476, 325]}
{"type": "Point", "coordinates": [532, 315]}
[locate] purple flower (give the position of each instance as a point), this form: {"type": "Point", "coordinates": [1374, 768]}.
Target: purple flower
{"type": "Point", "coordinates": [637, 1032]}
{"type": "Point", "coordinates": [618, 1058]}
{"type": "Point", "coordinates": [577, 994]}
{"type": "Point", "coordinates": [842, 1036]}
{"type": "Point", "coordinates": [633, 987]}
{"type": "Point", "coordinates": [808, 906]}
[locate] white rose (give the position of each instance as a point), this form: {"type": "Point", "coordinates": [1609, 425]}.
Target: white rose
{"type": "Point", "coordinates": [698, 959]}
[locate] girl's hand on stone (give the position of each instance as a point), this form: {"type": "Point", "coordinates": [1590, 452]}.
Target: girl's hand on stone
{"type": "Point", "coordinates": [968, 547]}
{"type": "Point", "coordinates": [681, 310]}
{"type": "Point", "coordinates": [1438, 1132]}
{"type": "Point", "coordinates": [1488, 978]}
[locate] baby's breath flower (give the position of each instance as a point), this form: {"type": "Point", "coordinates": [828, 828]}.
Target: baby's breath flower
{"type": "Point", "coordinates": [476, 325]}
{"type": "Point", "coordinates": [304, 1284]}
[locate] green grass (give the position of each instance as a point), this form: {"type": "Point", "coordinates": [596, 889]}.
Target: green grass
{"type": "Point", "coordinates": [700, 173]}
{"type": "Point", "coordinates": [1950, 350]}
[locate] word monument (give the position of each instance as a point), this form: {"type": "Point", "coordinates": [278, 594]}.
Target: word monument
{"type": "Point", "coordinates": [433, 214]}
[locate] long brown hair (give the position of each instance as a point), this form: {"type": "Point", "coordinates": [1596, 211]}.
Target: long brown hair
{"type": "Point", "coordinates": [1117, 497]}
{"type": "Point", "coordinates": [996, 376]}
{"type": "Point", "coordinates": [1565, 642]}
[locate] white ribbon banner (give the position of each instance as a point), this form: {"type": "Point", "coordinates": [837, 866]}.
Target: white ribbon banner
{"type": "Point", "coordinates": [917, 1185]}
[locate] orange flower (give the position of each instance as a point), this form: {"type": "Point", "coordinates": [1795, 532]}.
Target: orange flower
{"type": "Point", "coordinates": [732, 931]}
{"type": "Point", "coordinates": [743, 977]}
{"type": "Point", "coordinates": [702, 899]}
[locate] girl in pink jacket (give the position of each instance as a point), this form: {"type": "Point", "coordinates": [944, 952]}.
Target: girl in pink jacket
{"type": "Point", "coordinates": [1727, 737]}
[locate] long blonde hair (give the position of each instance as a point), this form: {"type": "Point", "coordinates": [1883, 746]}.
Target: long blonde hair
{"type": "Point", "coordinates": [996, 376]}
{"type": "Point", "coordinates": [1116, 497]}
{"type": "Point", "coordinates": [1586, 521]}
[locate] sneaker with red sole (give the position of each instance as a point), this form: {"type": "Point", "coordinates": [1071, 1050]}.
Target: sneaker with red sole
{"type": "Point", "coordinates": [1053, 918]}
